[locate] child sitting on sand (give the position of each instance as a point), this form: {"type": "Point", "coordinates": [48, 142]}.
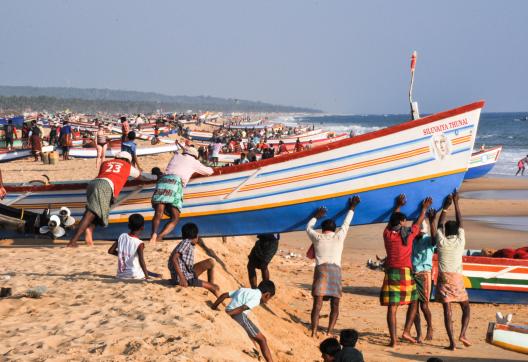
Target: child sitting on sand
{"type": "Point", "coordinates": [330, 349]}
{"type": "Point", "coordinates": [181, 263]}
{"type": "Point", "coordinates": [348, 339]}
{"type": "Point", "coordinates": [243, 300]}
{"type": "Point", "coordinates": [129, 251]}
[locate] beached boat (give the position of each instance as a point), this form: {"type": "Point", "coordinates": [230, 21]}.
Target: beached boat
{"type": "Point", "coordinates": [423, 157]}
{"type": "Point", "coordinates": [482, 162]}
{"type": "Point", "coordinates": [493, 280]}
{"type": "Point", "coordinates": [7, 156]}
{"type": "Point", "coordinates": [91, 152]}
{"type": "Point", "coordinates": [513, 337]}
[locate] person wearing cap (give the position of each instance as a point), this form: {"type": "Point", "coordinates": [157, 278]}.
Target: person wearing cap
{"type": "Point", "coordinates": [422, 263]}
{"type": "Point", "coordinates": [168, 195]}
{"type": "Point", "coordinates": [101, 194]}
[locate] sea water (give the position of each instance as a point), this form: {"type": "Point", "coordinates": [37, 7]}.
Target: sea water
{"type": "Point", "coordinates": [507, 129]}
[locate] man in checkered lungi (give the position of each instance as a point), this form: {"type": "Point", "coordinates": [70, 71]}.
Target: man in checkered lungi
{"type": "Point", "coordinates": [328, 248]}
{"type": "Point", "coordinates": [398, 285]}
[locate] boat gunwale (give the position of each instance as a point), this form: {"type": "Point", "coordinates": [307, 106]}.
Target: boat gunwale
{"type": "Point", "coordinates": [492, 149]}
{"type": "Point", "coordinates": [280, 158]}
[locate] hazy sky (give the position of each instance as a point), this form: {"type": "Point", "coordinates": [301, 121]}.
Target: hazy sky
{"type": "Point", "coordinates": [340, 56]}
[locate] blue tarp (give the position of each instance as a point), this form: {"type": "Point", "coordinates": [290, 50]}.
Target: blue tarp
{"type": "Point", "coordinates": [18, 121]}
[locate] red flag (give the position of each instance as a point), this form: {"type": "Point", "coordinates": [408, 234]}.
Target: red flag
{"type": "Point", "coordinates": [413, 61]}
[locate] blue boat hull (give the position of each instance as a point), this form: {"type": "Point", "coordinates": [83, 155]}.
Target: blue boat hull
{"type": "Point", "coordinates": [375, 207]}
{"type": "Point", "coordinates": [479, 171]}
{"type": "Point", "coordinates": [497, 297]}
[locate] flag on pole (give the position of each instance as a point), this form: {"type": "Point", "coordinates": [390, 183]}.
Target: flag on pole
{"type": "Point", "coordinates": [413, 61]}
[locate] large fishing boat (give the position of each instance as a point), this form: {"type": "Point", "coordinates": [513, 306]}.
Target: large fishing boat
{"type": "Point", "coordinates": [424, 157]}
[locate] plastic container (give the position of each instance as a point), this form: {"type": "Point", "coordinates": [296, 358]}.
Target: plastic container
{"type": "Point", "coordinates": [53, 158]}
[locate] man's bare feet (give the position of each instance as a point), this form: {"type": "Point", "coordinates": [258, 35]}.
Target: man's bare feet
{"type": "Point", "coordinates": [72, 245]}
{"type": "Point", "coordinates": [393, 344]}
{"type": "Point", "coordinates": [154, 238]}
{"type": "Point", "coordinates": [408, 338]}
{"type": "Point", "coordinates": [89, 243]}
{"type": "Point", "coordinates": [419, 339]}
{"type": "Point", "coordinates": [451, 347]}
{"type": "Point", "coordinates": [429, 335]}
{"type": "Point", "coordinates": [464, 341]}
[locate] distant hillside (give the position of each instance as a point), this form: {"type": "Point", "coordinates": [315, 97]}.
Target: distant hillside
{"type": "Point", "coordinates": [87, 100]}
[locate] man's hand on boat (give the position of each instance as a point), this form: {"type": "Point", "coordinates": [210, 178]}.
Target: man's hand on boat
{"type": "Point", "coordinates": [2, 192]}
{"type": "Point", "coordinates": [448, 201]}
{"type": "Point", "coordinates": [401, 200]}
{"type": "Point", "coordinates": [321, 212]}
{"type": "Point", "coordinates": [353, 202]}
{"type": "Point", "coordinates": [431, 215]}
{"type": "Point", "coordinates": [455, 196]}
{"type": "Point", "coordinates": [426, 204]}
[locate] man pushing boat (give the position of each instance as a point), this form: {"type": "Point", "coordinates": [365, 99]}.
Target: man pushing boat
{"type": "Point", "coordinates": [168, 195]}
{"type": "Point", "coordinates": [327, 251]}
{"type": "Point", "coordinates": [102, 193]}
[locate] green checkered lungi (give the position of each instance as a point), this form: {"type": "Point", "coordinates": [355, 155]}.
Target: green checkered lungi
{"type": "Point", "coordinates": [169, 191]}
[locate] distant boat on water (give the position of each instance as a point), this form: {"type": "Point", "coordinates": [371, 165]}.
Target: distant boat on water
{"type": "Point", "coordinates": [482, 162]}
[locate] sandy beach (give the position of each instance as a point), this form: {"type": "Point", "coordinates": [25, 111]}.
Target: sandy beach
{"type": "Point", "coordinates": [86, 314]}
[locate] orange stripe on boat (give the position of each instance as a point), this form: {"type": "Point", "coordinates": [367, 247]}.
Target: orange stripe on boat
{"type": "Point", "coordinates": [512, 288]}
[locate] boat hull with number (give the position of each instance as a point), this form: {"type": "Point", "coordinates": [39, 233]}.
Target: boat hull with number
{"type": "Point", "coordinates": [423, 157]}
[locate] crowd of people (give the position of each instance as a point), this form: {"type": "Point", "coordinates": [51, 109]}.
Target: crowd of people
{"type": "Point", "coordinates": [409, 248]}
{"type": "Point", "coordinates": [408, 265]}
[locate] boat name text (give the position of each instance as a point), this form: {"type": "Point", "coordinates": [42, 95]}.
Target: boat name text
{"type": "Point", "coordinates": [445, 126]}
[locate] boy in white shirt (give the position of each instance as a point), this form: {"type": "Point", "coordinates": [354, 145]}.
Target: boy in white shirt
{"type": "Point", "coordinates": [129, 251]}
{"type": "Point", "coordinates": [243, 300]}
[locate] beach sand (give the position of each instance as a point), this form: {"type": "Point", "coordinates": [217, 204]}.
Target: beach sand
{"type": "Point", "coordinates": [86, 314]}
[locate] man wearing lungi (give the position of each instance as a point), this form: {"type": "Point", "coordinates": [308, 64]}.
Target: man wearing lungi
{"type": "Point", "coordinates": [450, 242]}
{"type": "Point", "coordinates": [36, 140]}
{"type": "Point", "coordinates": [328, 248]}
{"type": "Point", "coordinates": [168, 195]}
{"type": "Point", "coordinates": [422, 263]}
{"type": "Point", "coordinates": [398, 285]}
{"type": "Point", "coordinates": [101, 194]}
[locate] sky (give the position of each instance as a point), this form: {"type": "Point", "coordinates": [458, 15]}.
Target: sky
{"type": "Point", "coordinates": [346, 57]}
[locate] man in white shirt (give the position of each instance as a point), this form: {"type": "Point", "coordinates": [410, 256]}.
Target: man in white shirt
{"type": "Point", "coordinates": [168, 195]}
{"type": "Point", "coordinates": [450, 243]}
{"type": "Point", "coordinates": [328, 248]}
{"type": "Point", "coordinates": [217, 148]}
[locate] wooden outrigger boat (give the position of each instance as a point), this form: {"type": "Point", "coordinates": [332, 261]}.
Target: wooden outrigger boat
{"type": "Point", "coordinates": [482, 162]}
{"type": "Point", "coordinates": [423, 157]}
{"type": "Point", "coordinates": [493, 280]}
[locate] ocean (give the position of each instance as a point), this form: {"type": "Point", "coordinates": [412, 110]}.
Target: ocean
{"type": "Point", "coordinates": [507, 129]}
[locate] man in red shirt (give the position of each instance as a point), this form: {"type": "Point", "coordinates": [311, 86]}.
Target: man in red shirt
{"type": "Point", "coordinates": [398, 285]}
{"type": "Point", "coordinates": [101, 194]}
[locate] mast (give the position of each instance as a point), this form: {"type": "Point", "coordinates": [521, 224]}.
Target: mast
{"type": "Point", "coordinates": [415, 114]}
